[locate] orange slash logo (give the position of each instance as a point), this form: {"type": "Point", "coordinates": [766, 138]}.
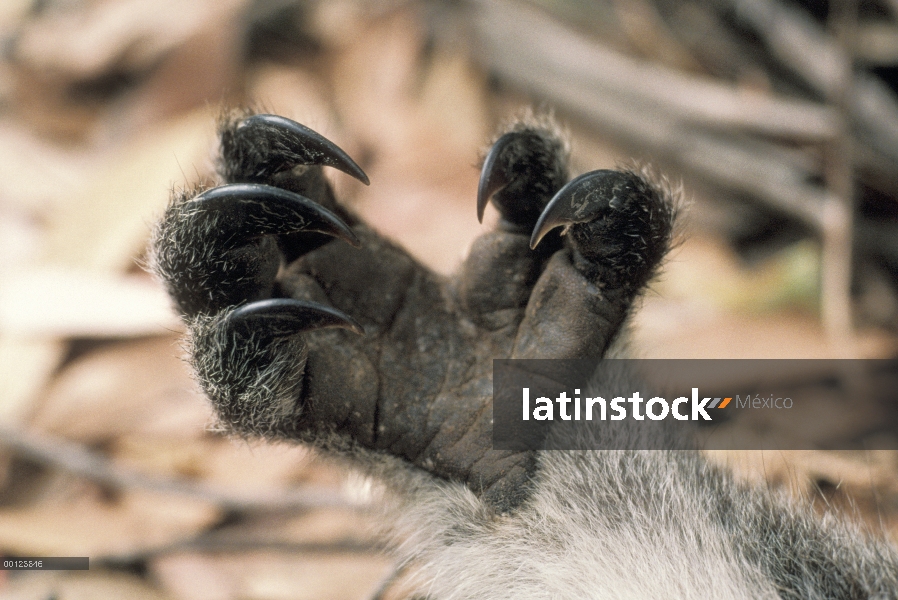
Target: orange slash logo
{"type": "Point", "coordinates": [718, 401]}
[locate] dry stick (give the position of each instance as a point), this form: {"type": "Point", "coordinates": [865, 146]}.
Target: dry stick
{"type": "Point", "coordinates": [893, 6]}
{"type": "Point", "coordinates": [838, 222]}
{"type": "Point", "coordinates": [577, 74]}
{"type": "Point", "coordinates": [534, 36]}
{"type": "Point", "coordinates": [801, 44]}
{"type": "Point", "coordinates": [387, 583]}
{"type": "Point", "coordinates": [75, 459]}
{"type": "Point", "coordinates": [707, 35]}
{"type": "Point", "coordinates": [212, 543]}
{"type": "Point", "coordinates": [528, 48]}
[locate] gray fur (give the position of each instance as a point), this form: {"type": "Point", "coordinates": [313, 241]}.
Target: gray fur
{"type": "Point", "coordinates": [635, 524]}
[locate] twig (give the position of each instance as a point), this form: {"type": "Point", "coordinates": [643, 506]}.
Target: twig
{"type": "Point", "coordinates": [798, 42]}
{"type": "Point", "coordinates": [565, 68]}
{"type": "Point", "coordinates": [74, 458]}
{"type": "Point", "coordinates": [504, 26]}
{"type": "Point", "coordinates": [211, 543]}
{"type": "Point", "coordinates": [389, 581]}
{"type": "Point", "coordinates": [838, 220]}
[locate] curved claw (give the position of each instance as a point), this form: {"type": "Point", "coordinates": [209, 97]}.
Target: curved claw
{"type": "Point", "coordinates": [283, 317]}
{"type": "Point", "coordinates": [492, 179]}
{"type": "Point", "coordinates": [581, 200]}
{"type": "Point", "coordinates": [296, 144]}
{"type": "Point", "coordinates": [257, 209]}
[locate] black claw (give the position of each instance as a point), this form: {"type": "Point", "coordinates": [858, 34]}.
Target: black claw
{"type": "Point", "coordinates": [283, 317]}
{"type": "Point", "coordinates": [291, 144]}
{"type": "Point", "coordinates": [255, 209]}
{"type": "Point", "coordinates": [520, 174]}
{"type": "Point", "coordinates": [581, 200]}
{"type": "Point", "coordinates": [492, 179]}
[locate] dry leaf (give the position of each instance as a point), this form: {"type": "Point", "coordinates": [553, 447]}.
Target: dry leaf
{"type": "Point", "coordinates": [139, 386]}
{"type": "Point", "coordinates": [268, 576]}
{"type": "Point", "coordinates": [94, 526]}
{"type": "Point", "coordinates": [55, 303]}
{"type": "Point", "coordinates": [106, 225]}
{"type": "Point", "coordinates": [25, 365]}
{"type": "Point", "coordinates": [80, 585]}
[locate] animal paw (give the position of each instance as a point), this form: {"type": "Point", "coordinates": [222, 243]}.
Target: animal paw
{"type": "Point", "coordinates": [276, 280]}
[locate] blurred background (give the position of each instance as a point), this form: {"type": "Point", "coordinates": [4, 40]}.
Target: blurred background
{"type": "Point", "coordinates": [779, 117]}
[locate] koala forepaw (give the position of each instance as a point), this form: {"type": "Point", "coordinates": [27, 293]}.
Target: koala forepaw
{"type": "Point", "coordinates": [265, 294]}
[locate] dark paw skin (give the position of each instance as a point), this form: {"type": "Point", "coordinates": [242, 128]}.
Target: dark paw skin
{"type": "Point", "coordinates": [304, 324]}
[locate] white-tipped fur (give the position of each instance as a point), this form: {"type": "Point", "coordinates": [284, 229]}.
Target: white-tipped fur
{"type": "Point", "coordinates": [624, 525]}
{"type": "Point", "coordinates": [563, 547]}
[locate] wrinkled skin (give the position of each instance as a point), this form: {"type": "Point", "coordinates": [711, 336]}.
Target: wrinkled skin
{"type": "Point", "coordinates": [276, 293]}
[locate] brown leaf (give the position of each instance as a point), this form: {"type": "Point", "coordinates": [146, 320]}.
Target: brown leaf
{"type": "Point", "coordinates": [56, 303]}
{"type": "Point", "coordinates": [94, 526]}
{"type": "Point", "coordinates": [105, 226]}
{"type": "Point", "coordinates": [127, 387]}
{"type": "Point", "coordinates": [80, 585]}
{"type": "Point", "coordinates": [270, 576]}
